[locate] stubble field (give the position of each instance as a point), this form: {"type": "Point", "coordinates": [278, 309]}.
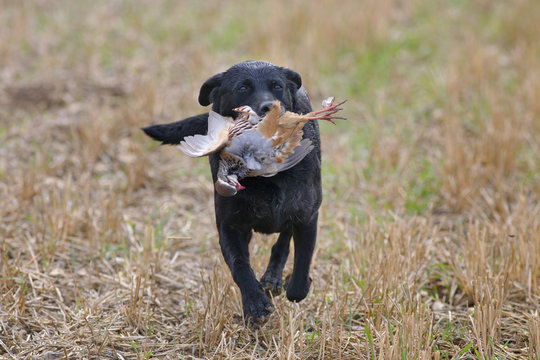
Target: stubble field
{"type": "Point", "coordinates": [429, 232]}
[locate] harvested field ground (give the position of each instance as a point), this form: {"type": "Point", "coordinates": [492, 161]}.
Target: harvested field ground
{"type": "Point", "coordinates": [429, 234]}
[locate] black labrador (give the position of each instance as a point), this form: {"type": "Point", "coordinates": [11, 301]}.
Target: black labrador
{"type": "Point", "coordinates": [286, 203]}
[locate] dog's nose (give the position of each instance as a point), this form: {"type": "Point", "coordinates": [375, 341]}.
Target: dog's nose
{"type": "Point", "coordinates": [265, 107]}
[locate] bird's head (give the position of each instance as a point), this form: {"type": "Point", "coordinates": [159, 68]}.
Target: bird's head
{"type": "Point", "coordinates": [228, 185]}
{"type": "Point", "coordinates": [231, 170]}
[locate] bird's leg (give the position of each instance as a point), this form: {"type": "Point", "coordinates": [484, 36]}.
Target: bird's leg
{"type": "Point", "coordinates": [327, 112]}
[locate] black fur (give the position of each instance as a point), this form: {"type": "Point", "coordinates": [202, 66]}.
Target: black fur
{"type": "Point", "coordinates": [286, 203]}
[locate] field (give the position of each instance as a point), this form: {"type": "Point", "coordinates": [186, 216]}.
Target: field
{"type": "Point", "coordinates": [429, 232]}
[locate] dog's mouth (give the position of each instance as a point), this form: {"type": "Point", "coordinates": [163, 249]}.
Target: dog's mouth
{"type": "Point", "coordinates": [258, 110]}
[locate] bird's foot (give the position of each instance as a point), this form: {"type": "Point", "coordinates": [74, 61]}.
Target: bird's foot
{"type": "Point", "coordinates": [328, 111]}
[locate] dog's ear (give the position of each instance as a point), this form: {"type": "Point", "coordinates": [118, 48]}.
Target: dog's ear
{"type": "Point", "coordinates": [293, 77]}
{"type": "Point", "coordinates": [208, 89]}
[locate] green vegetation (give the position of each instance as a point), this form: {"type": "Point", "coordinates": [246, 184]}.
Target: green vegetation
{"type": "Point", "coordinates": [429, 235]}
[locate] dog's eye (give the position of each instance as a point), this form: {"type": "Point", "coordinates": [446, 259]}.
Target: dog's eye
{"type": "Point", "coordinates": [243, 88]}
{"type": "Point", "coordinates": [276, 86]}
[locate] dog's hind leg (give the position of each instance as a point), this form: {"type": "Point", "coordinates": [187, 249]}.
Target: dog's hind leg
{"type": "Point", "coordinates": [234, 246]}
{"type": "Point", "coordinates": [272, 279]}
{"type": "Point", "coordinates": [305, 236]}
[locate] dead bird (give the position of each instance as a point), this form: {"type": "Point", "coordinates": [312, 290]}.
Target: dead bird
{"type": "Point", "coordinates": [255, 146]}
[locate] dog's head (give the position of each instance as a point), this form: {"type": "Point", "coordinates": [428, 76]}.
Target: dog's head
{"type": "Point", "coordinates": [253, 83]}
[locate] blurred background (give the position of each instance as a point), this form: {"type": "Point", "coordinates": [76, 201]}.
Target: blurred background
{"type": "Point", "coordinates": [431, 186]}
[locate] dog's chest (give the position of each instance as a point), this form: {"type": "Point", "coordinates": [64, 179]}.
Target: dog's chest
{"type": "Point", "coordinates": [270, 206]}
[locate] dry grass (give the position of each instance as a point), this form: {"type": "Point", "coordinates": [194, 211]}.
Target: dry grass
{"type": "Point", "coordinates": [429, 244]}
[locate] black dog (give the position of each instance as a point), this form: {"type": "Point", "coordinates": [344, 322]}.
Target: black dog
{"type": "Point", "coordinates": [287, 203]}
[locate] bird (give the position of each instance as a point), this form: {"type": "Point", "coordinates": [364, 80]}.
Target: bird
{"type": "Point", "coordinates": [253, 145]}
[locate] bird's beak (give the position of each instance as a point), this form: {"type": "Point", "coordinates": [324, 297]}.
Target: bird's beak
{"type": "Point", "coordinates": [229, 186]}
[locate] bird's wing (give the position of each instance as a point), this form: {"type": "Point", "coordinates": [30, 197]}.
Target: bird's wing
{"type": "Point", "coordinates": [300, 152]}
{"type": "Point", "coordinates": [213, 141]}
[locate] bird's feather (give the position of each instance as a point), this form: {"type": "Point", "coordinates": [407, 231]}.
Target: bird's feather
{"type": "Point", "coordinates": [298, 154]}
{"type": "Point", "coordinates": [213, 141]}
{"type": "Point", "coordinates": [255, 146]}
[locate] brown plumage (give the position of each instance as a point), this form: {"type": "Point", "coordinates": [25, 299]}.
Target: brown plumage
{"type": "Point", "coordinates": [255, 146]}
{"type": "Point", "coordinates": [285, 129]}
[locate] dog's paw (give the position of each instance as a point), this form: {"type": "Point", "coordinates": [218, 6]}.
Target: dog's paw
{"type": "Point", "coordinates": [296, 292]}
{"type": "Point", "coordinates": [272, 284]}
{"type": "Point", "coordinates": [257, 306]}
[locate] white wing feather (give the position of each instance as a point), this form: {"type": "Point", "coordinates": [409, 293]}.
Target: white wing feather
{"type": "Point", "coordinates": [213, 141]}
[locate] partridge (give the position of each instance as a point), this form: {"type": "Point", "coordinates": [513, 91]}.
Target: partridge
{"type": "Point", "coordinates": [255, 146]}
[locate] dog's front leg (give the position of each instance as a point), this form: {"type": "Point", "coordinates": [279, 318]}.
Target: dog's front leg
{"type": "Point", "coordinates": [234, 246]}
{"type": "Point", "coordinates": [305, 236]}
{"type": "Point", "coordinates": [272, 278]}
